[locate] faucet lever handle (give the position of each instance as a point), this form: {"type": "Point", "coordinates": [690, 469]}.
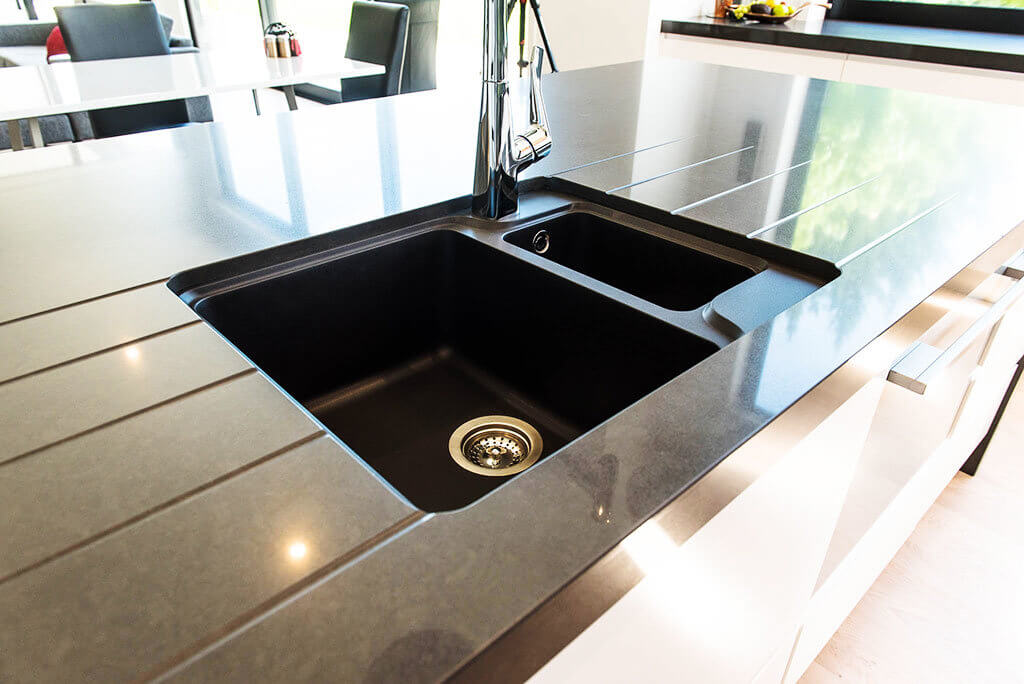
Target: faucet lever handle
{"type": "Point", "coordinates": [535, 142]}
{"type": "Point", "coordinates": [538, 114]}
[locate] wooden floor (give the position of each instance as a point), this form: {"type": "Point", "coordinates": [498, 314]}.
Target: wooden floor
{"type": "Point", "coordinates": [950, 606]}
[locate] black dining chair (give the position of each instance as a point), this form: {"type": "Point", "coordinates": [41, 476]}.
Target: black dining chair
{"type": "Point", "coordinates": [113, 32]}
{"type": "Point", "coordinates": [420, 69]}
{"type": "Point", "coordinates": [377, 33]}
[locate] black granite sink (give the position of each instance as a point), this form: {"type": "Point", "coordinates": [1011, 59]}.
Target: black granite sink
{"type": "Point", "coordinates": [665, 273]}
{"type": "Point", "coordinates": [393, 347]}
{"type": "Point", "coordinates": [395, 333]}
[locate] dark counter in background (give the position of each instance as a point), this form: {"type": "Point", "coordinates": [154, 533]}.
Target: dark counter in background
{"type": "Point", "coordinates": [1002, 51]}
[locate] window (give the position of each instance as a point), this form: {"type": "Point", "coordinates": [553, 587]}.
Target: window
{"type": "Point", "coordinates": [1001, 16]}
{"type": "Point", "coordinates": [12, 11]}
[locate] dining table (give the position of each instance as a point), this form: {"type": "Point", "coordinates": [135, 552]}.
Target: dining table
{"type": "Point", "coordinates": [31, 92]}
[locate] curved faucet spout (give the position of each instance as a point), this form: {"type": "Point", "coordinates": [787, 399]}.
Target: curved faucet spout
{"type": "Point", "coordinates": [502, 153]}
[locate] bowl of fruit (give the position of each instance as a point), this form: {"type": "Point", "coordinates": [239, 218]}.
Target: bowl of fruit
{"type": "Point", "coordinates": [769, 11]}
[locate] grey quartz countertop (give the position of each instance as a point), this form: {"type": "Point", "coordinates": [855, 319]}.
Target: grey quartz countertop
{"type": "Point", "coordinates": [171, 514]}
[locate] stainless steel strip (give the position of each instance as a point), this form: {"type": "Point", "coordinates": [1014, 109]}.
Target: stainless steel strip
{"type": "Point", "coordinates": [773, 224]}
{"type": "Point", "coordinates": [691, 205]}
{"type": "Point", "coordinates": [877, 241]}
{"type": "Point", "coordinates": [681, 168]}
{"type": "Point", "coordinates": [624, 154]}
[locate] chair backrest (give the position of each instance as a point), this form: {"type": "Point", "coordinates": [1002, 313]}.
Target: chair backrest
{"type": "Point", "coordinates": [113, 32]}
{"type": "Point", "coordinates": [377, 34]}
{"type": "Point", "coordinates": [168, 25]}
{"type": "Point", "coordinates": [420, 69]}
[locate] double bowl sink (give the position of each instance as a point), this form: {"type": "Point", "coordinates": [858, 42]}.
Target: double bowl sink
{"type": "Point", "coordinates": [559, 318]}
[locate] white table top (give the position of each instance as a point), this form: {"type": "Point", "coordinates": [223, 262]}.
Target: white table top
{"type": "Point", "coordinates": [41, 90]}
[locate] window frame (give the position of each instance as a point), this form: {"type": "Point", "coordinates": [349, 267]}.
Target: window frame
{"type": "Point", "coordinates": [965, 17]}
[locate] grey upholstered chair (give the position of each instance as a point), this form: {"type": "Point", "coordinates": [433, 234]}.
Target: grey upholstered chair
{"type": "Point", "coordinates": [24, 44]}
{"type": "Point", "coordinates": [113, 32]}
{"type": "Point", "coordinates": [377, 34]}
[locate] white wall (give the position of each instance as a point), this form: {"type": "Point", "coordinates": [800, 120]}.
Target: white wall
{"type": "Point", "coordinates": [671, 9]}
{"type": "Point", "coordinates": [586, 33]}
{"type": "Point", "coordinates": [175, 9]}
{"type": "Point", "coordinates": [583, 33]}
{"type": "Point", "coordinates": [459, 42]}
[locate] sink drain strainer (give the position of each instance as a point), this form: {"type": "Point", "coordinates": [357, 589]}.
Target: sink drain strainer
{"type": "Point", "coordinates": [496, 446]}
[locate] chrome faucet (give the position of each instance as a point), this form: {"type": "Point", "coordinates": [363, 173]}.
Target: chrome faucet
{"type": "Point", "coordinates": [500, 153]}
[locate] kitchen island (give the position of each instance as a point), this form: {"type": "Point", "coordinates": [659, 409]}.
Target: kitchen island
{"type": "Point", "coordinates": [175, 515]}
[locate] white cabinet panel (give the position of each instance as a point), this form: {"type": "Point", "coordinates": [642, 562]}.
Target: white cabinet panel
{"type": "Point", "coordinates": [939, 79]}
{"type": "Point", "coordinates": [1007, 345]}
{"type": "Point", "coordinates": [775, 670]}
{"type": "Point", "coordinates": [813, 63]}
{"type": "Point", "coordinates": [1004, 350]}
{"type": "Point", "coordinates": [724, 606]}
{"type": "Point", "coordinates": [916, 444]}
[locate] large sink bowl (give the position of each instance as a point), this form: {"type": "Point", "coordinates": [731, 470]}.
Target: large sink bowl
{"type": "Point", "coordinates": [394, 345]}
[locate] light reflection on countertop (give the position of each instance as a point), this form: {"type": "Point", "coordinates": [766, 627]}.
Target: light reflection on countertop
{"type": "Point", "coordinates": [297, 550]}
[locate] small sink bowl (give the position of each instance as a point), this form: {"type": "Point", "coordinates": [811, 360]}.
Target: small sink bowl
{"type": "Point", "coordinates": [394, 347]}
{"type": "Point", "coordinates": [663, 272]}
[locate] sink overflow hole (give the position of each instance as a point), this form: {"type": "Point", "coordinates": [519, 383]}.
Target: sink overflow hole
{"type": "Point", "coordinates": [541, 242]}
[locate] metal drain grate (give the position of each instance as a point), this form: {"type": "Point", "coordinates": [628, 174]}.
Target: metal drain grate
{"type": "Point", "coordinates": [496, 446]}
